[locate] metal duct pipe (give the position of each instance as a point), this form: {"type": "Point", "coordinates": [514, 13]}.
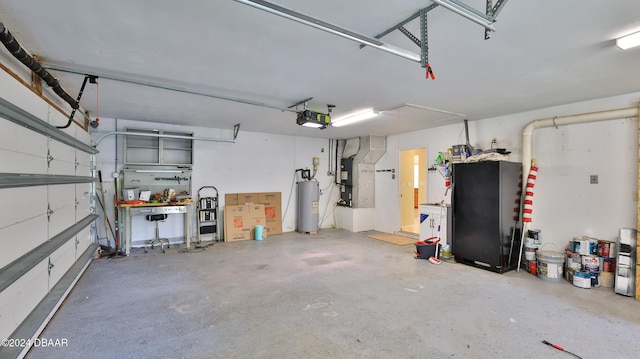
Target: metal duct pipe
{"type": "Point", "coordinates": [527, 133]}
{"type": "Point", "coordinates": [527, 144]}
{"type": "Point", "coordinates": [19, 53]}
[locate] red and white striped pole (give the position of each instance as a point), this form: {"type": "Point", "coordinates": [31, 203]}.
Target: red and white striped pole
{"type": "Point", "coordinates": [528, 195]}
{"type": "Point", "coordinates": [527, 209]}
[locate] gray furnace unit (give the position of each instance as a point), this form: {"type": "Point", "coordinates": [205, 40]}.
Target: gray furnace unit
{"type": "Point", "coordinates": [308, 197]}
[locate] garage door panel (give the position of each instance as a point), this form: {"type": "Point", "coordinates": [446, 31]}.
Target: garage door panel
{"type": "Point", "coordinates": [84, 163]}
{"type": "Point", "coordinates": [83, 240]}
{"type": "Point", "coordinates": [64, 159]}
{"type": "Point", "coordinates": [22, 237]}
{"type": "Point", "coordinates": [21, 150]}
{"type": "Point", "coordinates": [62, 259]}
{"type": "Point", "coordinates": [62, 195]}
{"type": "Point", "coordinates": [20, 96]}
{"type": "Point", "coordinates": [22, 140]}
{"type": "Point", "coordinates": [22, 204]}
{"type": "Point", "coordinates": [83, 196]}
{"type": "Point", "coordinates": [83, 135]}
{"type": "Point", "coordinates": [21, 163]}
{"type": "Point", "coordinates": [61, 219]}
{"type": "Point", "coordinates": [19, 299]}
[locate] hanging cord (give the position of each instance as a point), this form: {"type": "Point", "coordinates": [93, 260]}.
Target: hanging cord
{"type": "Point", "coordinates": [97, 101]}
{"type": "Point", "coordinates": [560, 348]}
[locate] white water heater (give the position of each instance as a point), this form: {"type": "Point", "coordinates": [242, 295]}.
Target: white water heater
{"type": "Point", "coordinates": [308, 198]}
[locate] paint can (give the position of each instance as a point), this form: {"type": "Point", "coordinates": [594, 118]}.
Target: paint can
{"type": "Point", "coordinates": [595, 279]}
{"type": "Point", "coordinates": [582, 279]}
{"type": "Point", "coordinates": [607, 279]}
{"type": "Point", "coordinates": [573, 261]}
{"type": "Point", "coordinates": [590, 263]}
{"type": "Point", "coordinates": [529, 242]}
{"type": "Point", "coordinates": [606, 249]}
{"type": "Point", "coordinates": [534, 234]}
{"type": "Point", "coordinates": [530, 253]}
{"type": "Point", "coordinates": [584, 245]}
{"type": "Point", "coordinates": [549, 266]}
{"type": "Point", "coordinates": [608, 265]}
{"type": "Point", "coordinates": [568, 274]}
{"type": "Point", "coordinates": [532, 267]}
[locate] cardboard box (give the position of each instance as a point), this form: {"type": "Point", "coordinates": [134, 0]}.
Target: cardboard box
{"type": "Point", "coordinates": [244, 198]}
{"type": "Point", "coordinates": [231, 199]}
{"type": "Point", "coordinates": [240, 221]}
{"type": "Point", "coordinates": [272, 202]}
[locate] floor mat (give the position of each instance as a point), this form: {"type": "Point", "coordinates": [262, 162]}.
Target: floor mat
{"type": "Point", "coordinates": [393, 238]}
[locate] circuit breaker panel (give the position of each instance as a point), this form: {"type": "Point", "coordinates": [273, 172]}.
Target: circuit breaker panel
{"type": "Point", "coordinates": [346, 181]}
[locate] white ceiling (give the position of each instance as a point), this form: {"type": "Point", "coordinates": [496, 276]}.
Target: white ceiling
{"type": "Point", "coordinates": [543, 53]}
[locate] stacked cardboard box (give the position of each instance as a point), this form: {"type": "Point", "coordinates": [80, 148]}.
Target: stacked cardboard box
{"type": "Point", "coordinates": [272, 202]}
{"type": "Point", "coordinates": [240, 221]}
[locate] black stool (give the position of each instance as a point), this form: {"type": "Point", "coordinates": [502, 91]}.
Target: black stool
{"type": "Point", "coordinates": [155, 218]}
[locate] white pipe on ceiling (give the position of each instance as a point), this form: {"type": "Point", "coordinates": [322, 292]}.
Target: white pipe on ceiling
{"type": "Point", "coordinates": [527, 133]}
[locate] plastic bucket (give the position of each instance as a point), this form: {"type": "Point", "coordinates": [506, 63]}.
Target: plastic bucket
{"type": "Point", "coordinates": [550, 265]}
{"type": "Point", "coordinates": [530, 253]}
{"type": "Point", "coordinates": [427, 248]}
{"type": "Point", "coordinates": [259, 231]}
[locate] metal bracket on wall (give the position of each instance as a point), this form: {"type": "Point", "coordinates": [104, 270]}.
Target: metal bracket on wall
{"type": "Point", "coordinates": [49, 158]}
{"type": "Point", "coordinates": [50, 266]}
{"type": "Point", "coordinates": [49, 212]}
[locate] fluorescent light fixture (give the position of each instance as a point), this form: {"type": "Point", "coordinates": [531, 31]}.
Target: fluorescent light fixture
{"type": "Point", "coordinates": [468, 12]}
{"type": "Point", "coordinates": [330, 28]}
{"type": "Point", "coordinates": [356, 117]}
{"type": "Point", "coordinates": [312, 125]}
{"type": "Point", "coordinates": [628, 41]}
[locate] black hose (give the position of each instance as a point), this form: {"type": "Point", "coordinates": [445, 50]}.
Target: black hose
{"type": "Point", "coordinates": [19, 53]}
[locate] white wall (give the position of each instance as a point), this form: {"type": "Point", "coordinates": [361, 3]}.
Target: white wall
{"type": "Point", "coordinates": [565, 204]}
{"type": "Point", "coordinates": [256, 162]}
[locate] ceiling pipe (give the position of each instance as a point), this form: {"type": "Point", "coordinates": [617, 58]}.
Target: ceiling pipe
{"type": "Point", "coordinates": [182, 137]}
{"type": "Point", "coordinates": [19, 53]}
{"type": "Point", "coordinates": [527, 133]}
{"type": "Point", "coordinates": [159, 85]}
{"type": "Point", "coordinates": [330, 28]}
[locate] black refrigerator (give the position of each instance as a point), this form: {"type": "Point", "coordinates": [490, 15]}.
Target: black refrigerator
{"type": "Point", "coordinates": [484, 205]}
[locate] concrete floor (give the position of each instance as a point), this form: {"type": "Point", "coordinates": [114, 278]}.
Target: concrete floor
{"type": "Point", "coordinates": [335, 294]}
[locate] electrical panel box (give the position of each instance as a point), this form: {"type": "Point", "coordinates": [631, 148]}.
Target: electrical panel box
{"type": "Point", "coordinates": [346, 181]}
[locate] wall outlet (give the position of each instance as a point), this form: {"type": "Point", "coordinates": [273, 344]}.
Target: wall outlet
{"type": "Point", "coordinates": [593, 179]}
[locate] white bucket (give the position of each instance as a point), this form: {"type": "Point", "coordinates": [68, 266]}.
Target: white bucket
{"type": "Point", "coordinates": [550, 265]}
{"type": "Point", "coordinates": [530, 253]}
